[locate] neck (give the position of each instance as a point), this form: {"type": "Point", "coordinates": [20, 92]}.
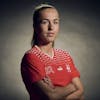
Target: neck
{"type": "Point", "coordinates": [46, 48]}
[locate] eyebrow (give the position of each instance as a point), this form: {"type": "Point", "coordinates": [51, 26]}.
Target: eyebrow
{"type": "Point", "coordinates": [57, 19]}
{"type": "Point", "coordinates": [48, 19]}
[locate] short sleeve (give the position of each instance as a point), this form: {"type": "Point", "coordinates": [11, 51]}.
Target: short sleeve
{"type": "Point", "coordinates": [73, 70]}
{"type": "Point", "coordinates": [32, 68]}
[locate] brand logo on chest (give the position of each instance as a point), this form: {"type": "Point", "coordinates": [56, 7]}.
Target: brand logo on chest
{"type": "Point", "coordinates": [60, 68]}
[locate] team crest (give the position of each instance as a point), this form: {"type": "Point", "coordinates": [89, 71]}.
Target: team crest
{"type": "Point", "coordinates": [49, 70]}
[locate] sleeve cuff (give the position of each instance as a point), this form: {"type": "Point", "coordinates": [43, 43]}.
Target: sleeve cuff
{"type": "Point", "coordinates": [75, 74]}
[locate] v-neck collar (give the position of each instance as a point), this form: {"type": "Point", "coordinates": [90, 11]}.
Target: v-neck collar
{"type": "Point", "coordinates": [50, 56]}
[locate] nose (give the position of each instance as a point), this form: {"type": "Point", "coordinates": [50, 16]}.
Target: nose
{"type": "Point", "coordinates": [50, 26]}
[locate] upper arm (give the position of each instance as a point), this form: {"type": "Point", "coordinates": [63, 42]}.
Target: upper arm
{"type": "Point", "coordinates": [78, 84]}
{"type": "Point", "coordinates": [78, 94]}
{"type": "Point", "coordinates": [73, 70]}
{"type": "Point", "coordinates": [75, 74]}
{"type": "Point", "coordinates": [31, 69]}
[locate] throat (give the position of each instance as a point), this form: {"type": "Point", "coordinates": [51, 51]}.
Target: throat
{"type": "Point", "coordinates": [47, 50]}
{"type": "Point", "coordinates": [50, 53]}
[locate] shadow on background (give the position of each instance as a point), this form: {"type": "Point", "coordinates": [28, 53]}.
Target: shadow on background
{"type": "Point", "coordinates": [79, 35]}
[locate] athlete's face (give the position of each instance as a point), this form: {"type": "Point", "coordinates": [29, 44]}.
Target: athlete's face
{"type": "Point", "coordinates": [48, 25]}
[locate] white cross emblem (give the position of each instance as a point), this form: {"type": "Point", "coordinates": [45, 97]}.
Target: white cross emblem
{"type": "Point", "coordinates": [49, 70]}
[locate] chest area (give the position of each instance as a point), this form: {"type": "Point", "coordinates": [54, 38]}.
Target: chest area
{"type": "Point", "coordinates": [57, 68]}
{"type": "Point", "coordinates": [57, 65]}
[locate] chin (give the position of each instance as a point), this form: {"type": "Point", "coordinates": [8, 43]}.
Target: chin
{"type": "Point", "coordinates": [51, 39]}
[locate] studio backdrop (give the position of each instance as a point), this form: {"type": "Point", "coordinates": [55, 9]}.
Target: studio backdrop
{"type": "Point", "coordinates": [79, 35]}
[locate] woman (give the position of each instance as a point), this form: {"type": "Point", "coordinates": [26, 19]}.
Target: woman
{"type": "Point", "coordinates": [49, 73]}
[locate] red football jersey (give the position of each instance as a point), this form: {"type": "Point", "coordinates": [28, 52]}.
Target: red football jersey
{"type": "Point", "coordinates": [36, 65]}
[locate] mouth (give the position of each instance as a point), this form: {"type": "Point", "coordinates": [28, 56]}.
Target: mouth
{"type": "Point", "coordinates": [51, 34]}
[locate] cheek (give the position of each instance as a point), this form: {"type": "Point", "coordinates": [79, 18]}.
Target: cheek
{"type": "Point", "coordinates": [57, 28]}
{"type": "Point", "coordinates": [43, 28]}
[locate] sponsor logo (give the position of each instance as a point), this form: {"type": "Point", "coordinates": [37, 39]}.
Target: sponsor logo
{"type": "Point", "coordinates": [60, 68]}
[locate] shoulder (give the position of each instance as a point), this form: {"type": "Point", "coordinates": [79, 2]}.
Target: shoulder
{"type": "Point", "coordinates": [61, 51]}
{"type": "Point", "coordinates": [31, 51]}
{"type": "Point", "coordinates": [64, 53]}
{"type": "Point", "coordinates": [30, 55]}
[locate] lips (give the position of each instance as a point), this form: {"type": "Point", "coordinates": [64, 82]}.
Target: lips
{"type": "Point", "coordinates": [51, 34]}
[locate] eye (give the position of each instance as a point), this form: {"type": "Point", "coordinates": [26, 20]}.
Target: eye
{"type": "Point", "coordinates": [56, 22]}
{"type": "Point", "coordinates": [44, 22]}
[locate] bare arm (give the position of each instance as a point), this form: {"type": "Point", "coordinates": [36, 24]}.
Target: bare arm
{"type": "Point", "coordinates": [78, 94]}
{"type": "Point", "coordinates": [54, 93]}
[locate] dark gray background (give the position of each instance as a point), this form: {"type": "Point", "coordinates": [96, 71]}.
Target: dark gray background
{"type": "Point", "coordinates": [79, 34]}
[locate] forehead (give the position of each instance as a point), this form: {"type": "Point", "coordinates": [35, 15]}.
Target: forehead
{"type": "Point", "coordinates": [49, 13]}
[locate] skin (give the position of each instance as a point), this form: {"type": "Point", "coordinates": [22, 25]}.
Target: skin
{"type": "Point", "coordinates": [47, 29]}
{"type": "Point", "coordinates": [48, 26]}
